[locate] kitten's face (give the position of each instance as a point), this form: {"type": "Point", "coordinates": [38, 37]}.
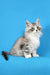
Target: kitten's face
{"type": "Point", "coordinates": [33, 28]}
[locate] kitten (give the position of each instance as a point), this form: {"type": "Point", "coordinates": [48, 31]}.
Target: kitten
{"type": "Point", "coordinates": [27, 45]}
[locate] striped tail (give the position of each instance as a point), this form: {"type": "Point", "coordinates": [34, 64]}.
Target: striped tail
{"type": "Point", "coordinates": [4, 54]}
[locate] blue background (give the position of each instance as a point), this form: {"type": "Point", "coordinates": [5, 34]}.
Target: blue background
{"type": "Point", "coordinates": [12, 25]}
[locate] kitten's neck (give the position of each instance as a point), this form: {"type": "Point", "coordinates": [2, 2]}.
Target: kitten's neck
{"type": "Point", "coordinates": [31, 36]}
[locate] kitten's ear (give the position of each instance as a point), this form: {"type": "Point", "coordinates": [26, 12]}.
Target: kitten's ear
{"type": "Point", "coordinates": [38, 21]}
{"type": "Point", "coordinates": [28, 23]}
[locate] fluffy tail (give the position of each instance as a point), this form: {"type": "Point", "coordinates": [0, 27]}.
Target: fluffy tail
{"type": "Point", "coordinates": [4, 54]}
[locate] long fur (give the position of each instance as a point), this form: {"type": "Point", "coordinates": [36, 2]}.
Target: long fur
{"type": "Point", "coordinates": [27, 45]}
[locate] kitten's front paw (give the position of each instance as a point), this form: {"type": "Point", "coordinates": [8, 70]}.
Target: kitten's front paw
{"type": "Point", "coordinates": [28, 56]}
{"type": "Point", "coordinates": [35, 55]}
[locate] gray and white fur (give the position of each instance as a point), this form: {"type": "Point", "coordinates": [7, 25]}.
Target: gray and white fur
{"type": "Point", "coordinates": [27, 45]}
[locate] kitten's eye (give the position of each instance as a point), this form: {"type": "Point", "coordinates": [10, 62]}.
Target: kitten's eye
{"type": "Point", "coordinates": [32, 29]}
{"type": "Point", "coordinates": [38, 28]}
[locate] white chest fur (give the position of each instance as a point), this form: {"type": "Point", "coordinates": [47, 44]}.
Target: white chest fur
{"type": "Point", "coordinates": [34, 42]}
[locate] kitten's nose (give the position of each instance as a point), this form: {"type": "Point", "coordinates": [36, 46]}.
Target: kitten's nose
{"type": "Point", "coordinates": [36, 30]}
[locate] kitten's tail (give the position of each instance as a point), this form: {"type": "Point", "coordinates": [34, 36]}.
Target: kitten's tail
{"type": "Point", "coordinates": [4, 54]}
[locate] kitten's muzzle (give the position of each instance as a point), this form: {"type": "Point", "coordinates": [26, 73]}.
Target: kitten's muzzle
{"type": "Point", "coordinates": [36, 30]}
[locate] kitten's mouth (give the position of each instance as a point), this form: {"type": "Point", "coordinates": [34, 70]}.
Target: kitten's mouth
{"type": "Point", "coordinates": [38, 33]}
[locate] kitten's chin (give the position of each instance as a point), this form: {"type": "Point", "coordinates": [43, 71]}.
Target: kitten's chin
{"type": "Point", "coordinates": [38, 34]}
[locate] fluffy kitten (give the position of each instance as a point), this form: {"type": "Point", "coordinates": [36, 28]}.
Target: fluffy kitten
{"type": "Point", "coordinates": [27, 45]}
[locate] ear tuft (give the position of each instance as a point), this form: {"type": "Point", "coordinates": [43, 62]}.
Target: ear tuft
{"type": "Point", "coordinates": [28, 23]}
{"type": "Point", "coordinates": [38, 21]}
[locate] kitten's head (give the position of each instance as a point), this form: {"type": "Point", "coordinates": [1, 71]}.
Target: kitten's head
{"type": "Point", "coordinates": [33, 28]}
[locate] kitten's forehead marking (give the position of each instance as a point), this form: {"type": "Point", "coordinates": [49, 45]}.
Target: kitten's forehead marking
{"type": "Point", "coordinates": [34, 24]}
